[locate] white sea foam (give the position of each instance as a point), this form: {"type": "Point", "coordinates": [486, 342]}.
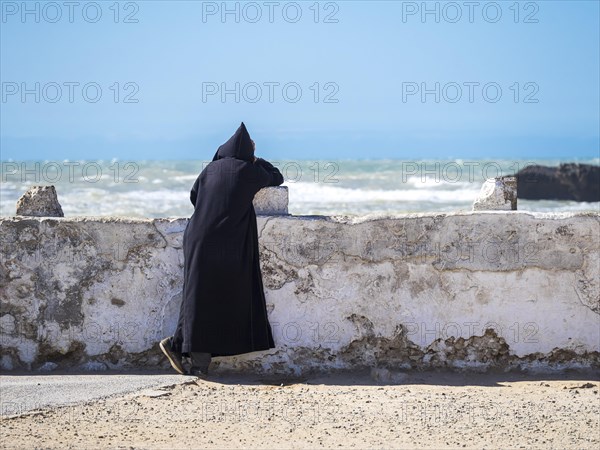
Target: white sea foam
{"type": "Point", "coordinates": [191, 177]}
{"type": "Point", "coordinates": [326, 193]}
{"type": "Point", "coordinates": [161, 189]}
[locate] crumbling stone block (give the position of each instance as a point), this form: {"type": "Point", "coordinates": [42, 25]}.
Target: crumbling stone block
{"type": "Point", "coordinates": [39, 201]}
{"type": "Point", "coordinates": [498, 194]}
{"type": "Point", "coordinates": [271, 201]}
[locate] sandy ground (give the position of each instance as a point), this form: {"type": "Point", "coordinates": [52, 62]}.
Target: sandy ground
{"type": "Point", "coordinates": [377, 409]}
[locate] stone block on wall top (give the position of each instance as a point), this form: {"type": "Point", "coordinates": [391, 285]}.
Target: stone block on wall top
{"type": "Point", "coordinates": [271, 201]}
{"type": "Point", "coordinates": [497, 194]}
{"type": "Point", "coordinates": [39, 201]}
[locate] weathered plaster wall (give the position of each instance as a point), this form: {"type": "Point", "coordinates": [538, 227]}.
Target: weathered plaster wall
{"type": "Point", "coordinates": [409, 291]}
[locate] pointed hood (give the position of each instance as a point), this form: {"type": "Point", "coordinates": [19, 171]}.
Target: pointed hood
{"type": "Point", "coordinates": [238, 146]}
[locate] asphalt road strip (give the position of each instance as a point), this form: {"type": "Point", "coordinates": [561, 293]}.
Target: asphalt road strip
{"type": "Point", "coordinates": [24, 393]}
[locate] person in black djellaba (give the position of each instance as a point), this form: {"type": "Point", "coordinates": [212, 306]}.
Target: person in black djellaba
{"type": "Point", "coordinates": [223, 311]}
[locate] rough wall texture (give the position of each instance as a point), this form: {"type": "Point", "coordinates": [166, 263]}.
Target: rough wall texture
{"type": "Point", "coordinates": [473, 290]}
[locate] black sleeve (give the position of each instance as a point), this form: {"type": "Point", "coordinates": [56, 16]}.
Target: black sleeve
{"type": "Point", "coordinates": [272, 176]}
{"type": "Point", "coordinates": [194, 191]}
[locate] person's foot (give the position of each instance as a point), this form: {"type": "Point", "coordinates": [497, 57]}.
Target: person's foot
{"type": "Point", "coordinates": [198, 372]}
{"type": "Point", "coordinates": [200, 361]}
{"type": "Point", "coordinates": [174, 357]}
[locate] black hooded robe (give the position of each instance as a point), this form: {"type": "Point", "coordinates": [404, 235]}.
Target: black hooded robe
{"type": "Point", "coordinates": [223, 311]}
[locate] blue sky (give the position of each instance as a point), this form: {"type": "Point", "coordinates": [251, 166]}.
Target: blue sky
{"type": "Point", "coordinates": [369, 56]}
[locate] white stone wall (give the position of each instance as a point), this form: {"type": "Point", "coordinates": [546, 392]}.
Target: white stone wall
{"type": "Point", "coordinates": [471, 290]}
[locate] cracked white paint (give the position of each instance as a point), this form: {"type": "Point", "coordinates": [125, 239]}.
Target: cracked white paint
{"type": "Point", "coordinates": [341, 292]}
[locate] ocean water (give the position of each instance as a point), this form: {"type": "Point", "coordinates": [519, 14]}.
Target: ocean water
{"type": "Point", "coordinates": [329, 187]}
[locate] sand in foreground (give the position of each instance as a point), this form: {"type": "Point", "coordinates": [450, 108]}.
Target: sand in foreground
{"type": "Point", "coordinates": [431, 410]}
